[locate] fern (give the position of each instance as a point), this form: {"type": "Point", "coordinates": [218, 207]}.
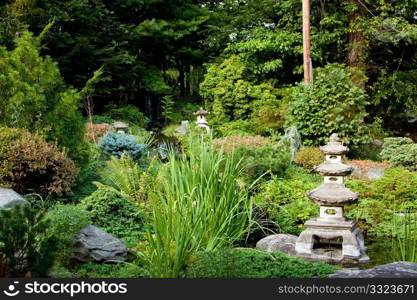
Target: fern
{"type": "Point", "coordinates": [126, 178]}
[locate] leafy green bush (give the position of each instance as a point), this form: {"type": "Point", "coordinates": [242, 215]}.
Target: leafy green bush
{"type": "Point", "coordinates": [84, 184]}
{"type": "Point", "coordinates": [309, 157]}
{"type": "Point", "coordinates": [266, 160]}
{"type": "Point", "coordinates": [285, 201]}
{"type": "Point", "coordinates": [234, 128]}
{"type": "Point", "coordinates": [252, 263]}
{"type": "Point", "coordinates": [400, 152]}
{"type": "Point", "coordinates": [199, 205]}
{"type": "Point", "coordinates": [102, 119]}
{"type": "Point", "coordinates": [120, 270]}
{"type": "Point", "coordinates": [332, 104]}
{"type": "Point", "coordinates": [237, 101]}
{"type": "Point", "coordinates": [25, 245]}
{"type": "Point", "coordinates": [381, 199]}
{"type": "Point", "coordinates": [130, 114]}
{"type": "Point", "coordinates": [258, 154]}
{"type": "Point", "coordinates": [33, 95]}
{"type": "Point", "coordinates": [114, 214]}
{"type": "Point", "coordinates": [114, 144]}
{"type": "Point", "coordinates": [28, 163]}
{"type": "Point", "coordinates": [231, 143]}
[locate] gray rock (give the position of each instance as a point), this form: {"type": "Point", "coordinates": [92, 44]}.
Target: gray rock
{"type": "Point", "coordinates": [183, 129]}
{"type": "Point", "coordinates": [371, 173]}
{"type": "Point", "coordinates": [278, 242]}
{"type": "Point", "coordinates": [11, 199]}
{"type": "Point", "coordinates": [93, 244]}
{"type": "Point", "coordinates": [394, 270]}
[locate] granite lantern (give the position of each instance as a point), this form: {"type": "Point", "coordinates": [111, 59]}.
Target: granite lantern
{"type": "Point", "coordinates": [201, 119]}
{"type": "Point", "coordinates": [120, 127]}
{"type": "Point", "coordinates": [331, 225]}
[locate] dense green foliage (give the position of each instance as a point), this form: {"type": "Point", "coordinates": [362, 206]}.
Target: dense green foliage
{"type": "Point", "coordinates": [65, 221]}
{"type": "Point", "coordinates": [199, 205]}
{"type": "Point", "coordinates": [263, 161]}
{"type": "Point", "coordinates": [383, 198]}
{"type": "Point", "coordinates": [251, 263]}
{"type": "Point", "coordinates": [129, 114]}
{"type": "Point", "coordinates": [285, 201]}
{"type": "Point", "coordinates": [234, 98]}
{"type": "Point", "coordinates": [114, 214]}
{"type": "Point", "coordinates": [332, 104]}
{"type": "Point", "coordinates": [23, 231]}
{"type": "Point", "coordinates": [309, 157]}
{"type": "Point", "coordinates": [400, 152]}
{"type": "Point", "coordinates": [67, 67]}
{"type": "Point", "coordinates": [94, 270]}
{"type": "Point", "coordinates": [33, 95]}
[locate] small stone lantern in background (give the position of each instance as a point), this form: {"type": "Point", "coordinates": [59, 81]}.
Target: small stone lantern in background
{"type": "Point", "coordinates": [120, 127]}
{"type": "Point", "coordinates": [201, 119]}
{"type": "Point", "coordinates": [332, 195]}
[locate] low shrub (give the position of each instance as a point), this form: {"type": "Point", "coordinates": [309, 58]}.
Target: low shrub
{"type": "Point", "coordinates": [235, 128]}
{"type": "Point", "coordinates": [114, 214]}
{"type": "Point", "coordinates": [65, 221]}
{"type": "Point", "coordinates": [231, 143]}
{"type": "Point", "coordinates": [400, 152]}
{"type": "Point", "coordinates": [25, 245]}
{"type": "Point", "coordinates": [268, 160]}
{"type": "Point", "coordinates": [252, 263]}
{"type": "Point", "coordinates": [114, 144]}
{"type": "Point", "coordinates": [102, 119]}
{"type": "Point", "coordinates": [120, 270]}
{"type": "Point", "coordinates": [29, 164]}
{"type": "Point", "coordinates": [285, 201]}
{"type": "Point", "coordinates": [130, 114]}
{"type": "Point", "coordinates": [309, 157]}
{"type": "Point", "coordinates": [86, 179]}
{"type": "Point", "coordinates": [381, 199]}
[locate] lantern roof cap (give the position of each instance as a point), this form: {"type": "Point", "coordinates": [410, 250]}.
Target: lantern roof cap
{"type": "Point", "coordinates": [334, 146]}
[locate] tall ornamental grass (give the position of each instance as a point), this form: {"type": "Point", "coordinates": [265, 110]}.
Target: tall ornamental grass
{"type": "Point", "coordinates": [404, 237]}
{"type": "Point", "coordinates": [199, 205]}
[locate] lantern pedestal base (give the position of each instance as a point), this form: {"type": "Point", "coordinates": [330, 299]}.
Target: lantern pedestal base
{"type": "Point", "coordinates": [332, 241]}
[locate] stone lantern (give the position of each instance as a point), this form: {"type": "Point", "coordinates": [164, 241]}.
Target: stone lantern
{"type": "Point", "coordinates": [332, 195]}
{"type": "Point", "coordinates": [120, 127]}
{"type": "Point", "coordinates": [201, 119]}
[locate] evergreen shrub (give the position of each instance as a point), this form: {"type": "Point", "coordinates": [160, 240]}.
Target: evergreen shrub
{"type": "Point", "coordinates": [29, 164]}
{"type": "Point", "coordinates": [115, 144]}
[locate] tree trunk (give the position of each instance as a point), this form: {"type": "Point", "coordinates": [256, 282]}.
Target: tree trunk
{"type": "Point", "coordinates": [308, 64]}
{"type": "Point", "coordinates": [357, 41]}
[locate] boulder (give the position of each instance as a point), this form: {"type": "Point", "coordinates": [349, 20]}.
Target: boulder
{"type": "Point", "coordinates": [278, 242]}
{"type": "Point", "coordinates": [183, 129]}
{"type": "Point", "coordinates": [367, 169]}
{"type": "Point", "coordinates": [93, 244]}
{"type": "Point", "coordinates": [11, 199]}
{"type": "Point", "coordinates": [399, 269]}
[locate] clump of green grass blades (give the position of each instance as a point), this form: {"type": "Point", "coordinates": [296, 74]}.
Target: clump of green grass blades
{"type": "Point", "coordinates": [200, 205]}
{"type": "Point", "coordinates": [404, 237]}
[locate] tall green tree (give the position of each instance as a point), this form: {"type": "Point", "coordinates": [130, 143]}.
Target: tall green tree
{"type": "Point", "coordinates": [33, 95]}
